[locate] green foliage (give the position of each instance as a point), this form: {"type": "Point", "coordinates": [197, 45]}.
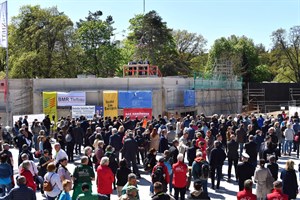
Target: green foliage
{"type": "Point", "coordinates": [154, 42]}
{"type": "Point", "coordinates": [240, 51]}
{"type": "Point", "coordinates": [101, 57]}
{"type": "Point", "coordinates": [262, 73]}
{"type": "Point", "coordinates": [40, 43]}
{"type": "Point", "coordinates": [286, 47]}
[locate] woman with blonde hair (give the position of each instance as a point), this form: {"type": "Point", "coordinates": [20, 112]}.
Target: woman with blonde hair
{"type": "Point", "coordinates": [154, 139]}
{"type": "Point", "coordinates": [65, 195]}
{"type": "Point", "coordinates": [289, 180]}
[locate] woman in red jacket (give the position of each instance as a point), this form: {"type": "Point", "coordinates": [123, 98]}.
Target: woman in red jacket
{"type": "Point", "coordinates": [179, 177]}
{"type": "Point", "coordinates": [28, 175]}
{"type": "Point", "coordinates": [105, 177]}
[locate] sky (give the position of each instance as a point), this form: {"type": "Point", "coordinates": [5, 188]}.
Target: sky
{"type": "Point", "coordinates": [256, 19]}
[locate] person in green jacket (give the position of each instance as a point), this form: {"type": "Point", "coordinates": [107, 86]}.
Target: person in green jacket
{"type": "Point", "coordinates": [82, 174]}
{"type": "Point", "coordinates": [131, 182]}
{"type": "Point", "coordinates": [88, 195]}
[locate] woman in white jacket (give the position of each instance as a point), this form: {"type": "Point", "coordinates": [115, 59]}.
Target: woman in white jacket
{"type": "Point", "coordinates": [55, 181]}
{"type": "Point", "coordinates": [288, 140]}
{"type": "Point", "coordinates": [260, 177]}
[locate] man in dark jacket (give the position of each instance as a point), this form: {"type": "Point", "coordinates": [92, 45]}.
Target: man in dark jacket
{"type": "Point", "coordinates": [250, 148]}
{"type": "Point", "coordinates": [216, 161]}
{"type": "Point", "coordinates": [197, 170]}
{"type": "Point", "coordinates": [244, 171]}
{"type": "Point", "coordinates": [78, 138]}
{"type": "Point", "coordinates": [130, 149]}
{"type": "Point", "coordinates": [116, 142]}
{"type": "Point", "coordinates": [232, 154]}
{"type": "Point", "coordinates": [174, 151]}
{"type": "Point", "coordinates": [163, 142]}
{"type": "Point", "coordinates": [241, 136]}
{"type": "Point", "coordinates": [21, 192]}
{"type": "Point", "coordinates": [159, 194]}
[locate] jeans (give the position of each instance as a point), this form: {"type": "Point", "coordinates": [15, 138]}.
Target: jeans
{"type": "Point", "coordinates": [204, 185]}
{"type": "Point", "coordinates": [241, 145]}
{"type": "Point", "coordinates": [170, 184]}
{"type": "Point", "coordinates": [219, 175]}
{"type": "Point", "coordinates": [180, 191]}
{"type": "Point", "coordinates": [230, 162]}
{"type": "Point", "coordinates": [288, 146]}
{"type": "Point", "coordinates": [36, 144]}
{"type": "Point", "coordinates": [5, 189]}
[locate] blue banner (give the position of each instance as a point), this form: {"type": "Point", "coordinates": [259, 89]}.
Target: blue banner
{"type": "Point", "coordinates": [189, 98]}
{"type": "Point", "coordinates": [135, 99]}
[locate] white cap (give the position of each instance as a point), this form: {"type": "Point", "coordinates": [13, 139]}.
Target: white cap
{"type": "Point", "coordinates": [245, 155]}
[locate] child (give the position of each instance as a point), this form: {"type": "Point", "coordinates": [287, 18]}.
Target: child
{"type": "Point", "coordinates": [273, 167]}
{"type": "Point", "coordinates": [67, 185]}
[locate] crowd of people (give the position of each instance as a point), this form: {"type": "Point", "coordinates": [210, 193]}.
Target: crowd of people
{"type": "Point", "coordinates": [175, 152]}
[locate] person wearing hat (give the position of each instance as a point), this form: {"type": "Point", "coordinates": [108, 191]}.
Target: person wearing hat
{"type": "Point", "coordinates": [244, 171]}
{"type": "Point", "coordinates": [277, 192]}
{"type": "Point", "coordinates": [88, 195]}
{"type": "Point", "coordinates": [246, 193]}
{"type": "Point", "coordinates": [130, 149]}
{"type": "Point", "coordinates": [131, 193]}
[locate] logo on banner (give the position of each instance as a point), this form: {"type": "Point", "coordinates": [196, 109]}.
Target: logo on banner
{"type": "Point", "coordinates": [49, 102]}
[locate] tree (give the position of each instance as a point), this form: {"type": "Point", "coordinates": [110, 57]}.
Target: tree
{"type": "Point", "coordinates": [189, 47]}
{"type": "Point", "coordinates": [154, 42]}
{"type": "Point", "coordinates": [287, 46]}
{"type": "Point", "coordinates": [40, 43]}
{"type": "Point", "coordinates": [101, 55]}
{"type": "Point", "coordinates": [240, 51]}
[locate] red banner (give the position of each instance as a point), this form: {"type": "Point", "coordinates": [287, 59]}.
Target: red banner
{"type": "Point", "coordinates": [138, 112]}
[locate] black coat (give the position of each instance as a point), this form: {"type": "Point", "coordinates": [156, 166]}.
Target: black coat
{"type": "Point", "coordinates": [173, 153]}
{"type": "Point", "coordinates": [122, 175]}
{"type": "Point", "coordinates": [289, 183]}
{"type": "Point", "coordinates": [251, 150]}
{"type": "Point", "coordinates": [130, 148]}
{"type": "Point", "coordinates": [78, 135]}
{"type": "Point", "coordinates": [273, 167]}
{"type": "Point", "coordinates": [163, 144]}
{"type": "Point", "coordinates": [191, 154]}
{"type": "Point", "coordinates": [217, 157]}
{"type": "Point", "coordinates": [232, 152]}
{"type": "Point", "coordinates": [244, 171]}
{"type": "Point", "coordinates": [116, 142]}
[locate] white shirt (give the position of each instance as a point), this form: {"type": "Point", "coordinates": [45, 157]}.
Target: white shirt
{"type": "Point", "coordinates": [32, 168]}
{"type": "Point", "coordinates": [55, 182]}
{"type": "Point", "coordinates": [60, 155]}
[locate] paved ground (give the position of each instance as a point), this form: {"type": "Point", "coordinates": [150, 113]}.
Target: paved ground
{"type": "Point", "coordinates": [227, 190]}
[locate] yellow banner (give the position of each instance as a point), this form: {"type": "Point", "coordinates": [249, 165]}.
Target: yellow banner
{"type": "Point", "coordinates": [50, 105]}
{"type": "Point", "coordinates": [110, 103]}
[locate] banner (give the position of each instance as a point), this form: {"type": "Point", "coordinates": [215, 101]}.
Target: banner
{"type": "Point", "coordinates": [135, 99]}
{"type": "Point", "coordinates": [71, 98]}
{"type": "Point", "coordinates": [189, 98]}
{"type": "Point", "coordinates": [138, 112]}
{"type": "Point", "coordinates": [110, 103]}
{"type": "Point", "coordinates": [49, 104]}
{"type": "Point", "coordinates": [99, 111]}
{"type": "Point", "coordinates": [87, 111]}
{"type": "Point", "coordinates": [3, 25]}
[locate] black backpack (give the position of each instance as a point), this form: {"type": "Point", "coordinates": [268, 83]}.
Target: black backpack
{"type": "Point", "coordinates": [205, 170]}
{"type": "Point", "coordinates": [147, 164]}
{"type": "Point", "coordinates": [158, 175]}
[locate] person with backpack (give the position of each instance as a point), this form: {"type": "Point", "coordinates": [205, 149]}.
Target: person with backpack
{"type": "Point", "coordinates": [201, 170]}
{"type": "Point", "coordinates": [216, 161]}
{"type": "Point", "coordinates": [160, 174]}
{"type": "Point", "coordinates": [198, 192]}
{"type": "Point", "coordinates": [52, 183]}
{"type": "Point", "coordinates": [179, 177]}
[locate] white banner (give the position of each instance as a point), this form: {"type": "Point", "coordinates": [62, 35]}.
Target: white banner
{"type": "Point", "coordinates": [87, 111]}
{"type": "Point", "coordinates": [292, 110]}
{"type": "Point", "coordinates": [3, 24]}
{"type": "Point", "coordinates": [71, 98]}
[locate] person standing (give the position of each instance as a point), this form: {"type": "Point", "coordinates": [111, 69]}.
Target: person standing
{"type": "Point", "coordinates": [67, 186]}
{"type": "Point", "coordinates": [130, 149]}
{"type": "Point", "coordinates": [59, 153]}
{"type": "Point", "coordinates": [159, 193]}
{"type": "Point", "coordinates": [277, 192]}
{"type": "Point", "coordinates": [246, 193]}
{"type": "Point", "coordinates": [105, 178]}
{"type": "Point", "coordinates": [241, 136]}
{"type": "Point", "coordinates": [217, 158]}
{"type": "Point", "coordinates": [209, 138]}
{"type": "Point", "coordinates": [116, 142]}
{"type": "Point", "coordinates": [232, 154]}
{"type": "Point", "coordinates": [5, 175]}
{"type": "Point", "coordinates": [163, 142]}
{"type": "Point", "coordinates": [20, 192]}
{"type": "Point", "coordinates": [53, 178]}
{"type": "Point", "coordinates": [289, 180]}
{"type": "Point", "coordinates": [131, 182]}
{"type": "Point", "coordinates": [78, 137]}
{"type": "Point", "coordinates": [122, 176]}
{"type": "Point", "coordinates": [82, 174]}
{"type": "Point", "coordinates": [87, 194]}
{"type": "Point", "coordinates": [251, 150]}
{"type": "Point", "coordinates": [260, 177]}
{"type": "Point", "coordinates": [179, 170]}
{"type": "Point", "coordinates": [288, 139]}
{"type": "Point", "coordinates": [160, 174]}
{"type": "Point", "coordinates": [244, 171]}
{"type": "Point", "coordinates": [198, 170]}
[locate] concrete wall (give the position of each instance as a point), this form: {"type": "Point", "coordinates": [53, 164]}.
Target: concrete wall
{"type": "Point", "coordinates": [168, 94]}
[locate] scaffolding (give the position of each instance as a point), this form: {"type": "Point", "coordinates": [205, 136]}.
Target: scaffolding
{"type": "Point", "coordinates": [141, 71]}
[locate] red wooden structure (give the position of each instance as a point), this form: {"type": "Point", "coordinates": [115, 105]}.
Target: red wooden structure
{"type": "Point", "coordinates": [141, 70]}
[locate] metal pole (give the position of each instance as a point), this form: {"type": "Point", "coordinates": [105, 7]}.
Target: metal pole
{"type": "Point", "coordinates": [144, 5]}
{"type": "Point", "coordinates": [6, 72]}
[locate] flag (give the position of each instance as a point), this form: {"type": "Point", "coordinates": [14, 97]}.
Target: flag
{"type": "Point", "coordinates": [3, 25]}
